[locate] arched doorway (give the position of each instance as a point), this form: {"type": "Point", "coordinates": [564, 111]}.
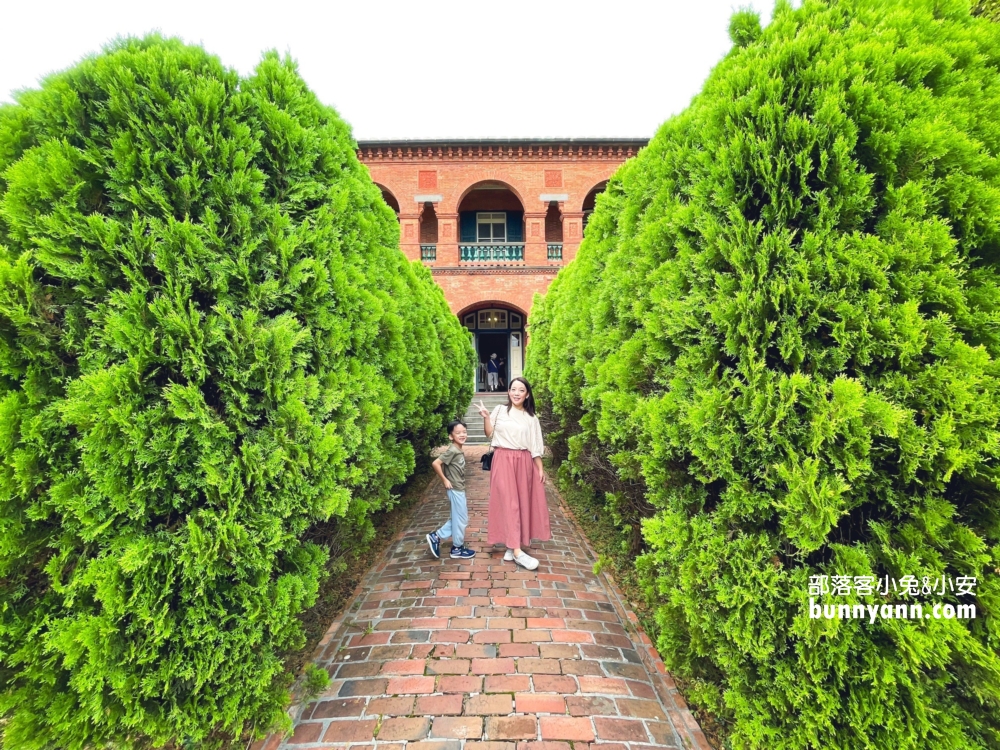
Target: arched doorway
{"type": "Point", "coordinates": [497, 329]}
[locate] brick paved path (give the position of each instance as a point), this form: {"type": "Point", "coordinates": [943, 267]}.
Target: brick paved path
{"type": "Point", "coordinates": [483, 655]}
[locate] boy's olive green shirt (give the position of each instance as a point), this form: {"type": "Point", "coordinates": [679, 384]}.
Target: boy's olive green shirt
{"type": "Point", "coordinates": [453, 466]}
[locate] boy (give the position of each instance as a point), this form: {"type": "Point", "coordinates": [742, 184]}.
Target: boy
{"type": "Point", "coordinates": [450, 466]}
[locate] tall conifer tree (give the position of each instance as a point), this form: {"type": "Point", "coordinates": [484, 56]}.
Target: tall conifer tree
{"type": "Point", "coordinates": [781, 341]}
{"type": "Point", "coordinates": [209, 341]}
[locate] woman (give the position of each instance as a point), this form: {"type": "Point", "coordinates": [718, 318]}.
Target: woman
{"type": "Point", "coordinates": [518, 511]}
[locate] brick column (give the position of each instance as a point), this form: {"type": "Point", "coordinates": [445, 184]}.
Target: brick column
{"type": "Point", "coordinates": [447, 249]}
{"type": "Point", "coordinates": [572, 233]}
{"type": "Point", "coordinates": [409, 229]}
{"type": "Point", "coordinates": [535, 251]}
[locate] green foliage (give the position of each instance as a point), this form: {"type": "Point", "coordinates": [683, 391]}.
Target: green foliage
{"type": "Point", "coordinates": [744, 27]}
{"type": "Point", "coordinates": [209, 342]}
{"type": "Point", "coordinates": [782, 332]}
{"type": "Point", "coordinates": [316, 680]}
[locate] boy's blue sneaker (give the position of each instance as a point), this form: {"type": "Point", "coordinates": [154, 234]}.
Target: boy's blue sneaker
{"type": "Point", "coordinates": [462, 553]}
{"type": "Point", "coordinates": [434, 543]}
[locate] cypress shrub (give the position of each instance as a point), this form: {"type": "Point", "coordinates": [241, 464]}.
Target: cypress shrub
{"type": "Point", "coordinates": [209, 343]}
{"type": "Point", "coordinates": [777, 354]}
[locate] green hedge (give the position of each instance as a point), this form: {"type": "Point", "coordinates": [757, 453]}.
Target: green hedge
{"type": "Point", "coordinates": [778, 354]}
{"type": "Point", "coordinates": [209, 342]}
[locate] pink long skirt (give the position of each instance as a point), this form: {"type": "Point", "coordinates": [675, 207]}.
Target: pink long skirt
{"type": "Point", "coordinates": [518, 510]}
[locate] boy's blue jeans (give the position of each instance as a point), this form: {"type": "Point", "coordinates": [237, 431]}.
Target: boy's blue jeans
{"type": "Point", "coordinates": [454, 527]}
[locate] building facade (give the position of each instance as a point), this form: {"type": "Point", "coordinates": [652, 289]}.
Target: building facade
{"type": "Point", "coordinates": [494, 220]}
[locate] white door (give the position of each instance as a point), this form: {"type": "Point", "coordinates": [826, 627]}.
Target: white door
{"type": "Point", "coordinates": [475, 372]}
{"type": "Point", "coordinates": [515, 354]}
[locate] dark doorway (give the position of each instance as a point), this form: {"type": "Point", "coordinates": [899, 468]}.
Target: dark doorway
{"type": "Point", "coordinates": [494, 343]}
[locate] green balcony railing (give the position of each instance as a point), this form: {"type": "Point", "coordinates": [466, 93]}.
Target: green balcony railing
{"type": "Point", "coordinates": [428, 252]}
{"type": "Point", "coordinates": [555, 251]}
{"type": "Point", "coordinates": [484, 252]}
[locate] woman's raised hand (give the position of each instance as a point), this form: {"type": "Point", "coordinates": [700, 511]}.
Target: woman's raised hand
{"type": "Point", "coordinates": [483, 411]}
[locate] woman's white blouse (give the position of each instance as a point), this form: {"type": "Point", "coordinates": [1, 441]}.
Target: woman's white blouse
{"type": "Point", "coordinates": [517, 430]}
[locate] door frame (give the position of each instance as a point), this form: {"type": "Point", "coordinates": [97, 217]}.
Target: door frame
{"type": "Point", "coordinates": [516, 323]}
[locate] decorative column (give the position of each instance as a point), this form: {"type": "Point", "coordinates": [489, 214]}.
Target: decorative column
{"type": "Point", "coordinates": [409, 229]}
{"type": "Point", "coordinates": [447, 249]}
{"type": "Point", "coordinates": [572, 234]}
{"type": "Point", "coordinates": [535, 249]}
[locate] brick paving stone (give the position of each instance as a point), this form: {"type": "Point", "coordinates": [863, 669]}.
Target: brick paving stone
{"type": "Point", "coordinates": [448, 666]}
{"type": "Point", "coordinates": [507, 683]}
{"type": "Point", "coordinates": [539, 666]}
{"type": "Point", "coordinates": [641, 709]}
{"type": "Point", "coordinates": [402, 685]}
{"type": "Point", "coordinates": [435, 745]}
{"type": "Point", "coordinates": [390, 706]}
{"type": "Point", "coordinates": [626, 730]}
{"type": "Point", "coordinates": [486, 704]}
{"type": "Point", "coordinates": [550, 683]}
{"type": "Point", "coordinates": [404, 728]}
{"type": "Point", "coordinates": [476, 745]}
{"type": "Point", "coordinates": [338, 708]}
{"type": "Point", "coordinates": [362, 687]}
{"type": "Point", "coordinates": [581, 666]}
{"type": "Point", "coordinates": [559, 651]}
{"type": "Point", "coordinates": [492, 666]}
{"type": "Point", "coordinates": [305, 733]}
{"type": "Point", "coordinates": [591, 684]}
{"type": "Point", "coordinates": [459, 684]}
{"type": "Point", "coordinates": [403, 666]}
{"type": "Point", "coordinates": [351, 730]}
{"type": "Point", "coordinates": [450, 636]}
{"type": "Point", "coordinates": [358, 669]}
{"type": "Point", "coordinates": [519, 649]}
{"type": "Point", "coordinates": [511, 728]}
{"type": "Point", "coordinates": [458, 727]}
{"type": "Point", "coordinates": [539, 703]}
{"type": "Point", "coordinates": [439, 705]}
{"type": "Point", "coordinates": [662, 733]}
{"type": "Point", "coordinates": [628, 671]}
{"type": "Point", "coordinates": [483, 655]}
{"type": "Point", "coordinates": [576, 729]}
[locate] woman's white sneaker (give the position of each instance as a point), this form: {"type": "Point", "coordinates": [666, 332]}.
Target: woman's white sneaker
{"type": "Point", "coordinates": [508, 556]}
{"type": "Point", "coordinates": [526, 561]}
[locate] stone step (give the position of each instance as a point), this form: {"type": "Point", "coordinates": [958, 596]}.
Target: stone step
{"type": "Point", "coordinates": [474, 422]}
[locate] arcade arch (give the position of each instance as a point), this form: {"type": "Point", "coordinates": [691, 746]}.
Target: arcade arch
{"type": "Point", "coordinates": [389, 198]}
{"type": "Point", "coordinates": [490, 212]}
{"type": "Point", "coordinates": [590, 201]}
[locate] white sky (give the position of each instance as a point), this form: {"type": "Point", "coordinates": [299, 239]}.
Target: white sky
{"type": "Point", "coordinates": [431, 69]}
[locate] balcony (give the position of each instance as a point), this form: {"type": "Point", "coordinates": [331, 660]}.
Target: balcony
{"type": "Point", "coordinates": [491, 252]}
{"type": "Point", "coordinates": [555, 251]}
{"type": "Point", "coordinates": [428, 252]}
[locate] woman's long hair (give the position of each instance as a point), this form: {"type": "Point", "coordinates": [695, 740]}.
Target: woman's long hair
{"type": "Point", "coordinates": [529, 400]}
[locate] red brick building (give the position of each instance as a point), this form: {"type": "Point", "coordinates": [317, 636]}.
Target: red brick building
{"type": "Point", "coordinates": [494, 220]}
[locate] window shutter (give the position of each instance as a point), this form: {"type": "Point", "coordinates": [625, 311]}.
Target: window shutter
{"type": "Point", "coordinates": [467, 223]}
{"type": "Point", "coordinates": [515, 226]}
